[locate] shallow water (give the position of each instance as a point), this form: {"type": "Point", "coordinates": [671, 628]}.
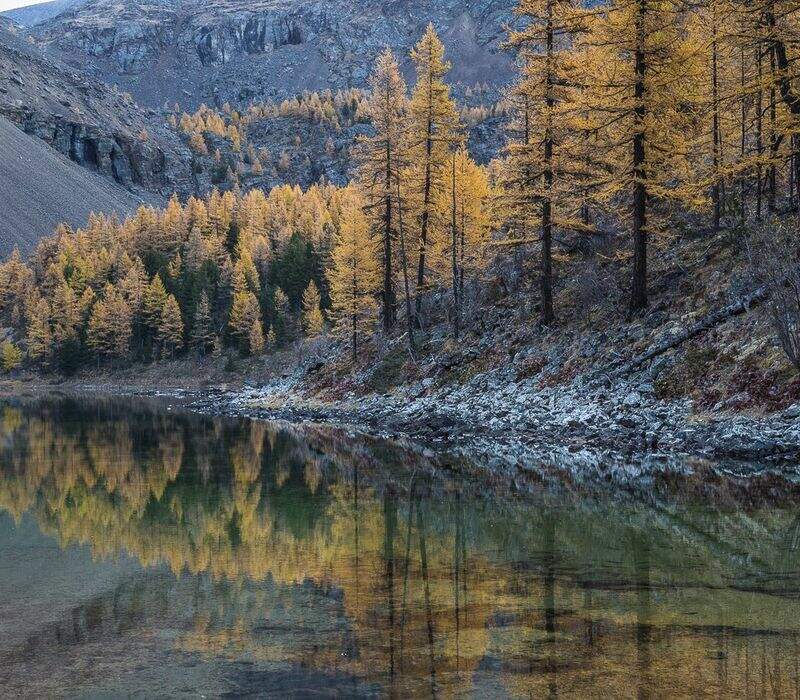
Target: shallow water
{"type": "Point", "coordinates": [149, 552]}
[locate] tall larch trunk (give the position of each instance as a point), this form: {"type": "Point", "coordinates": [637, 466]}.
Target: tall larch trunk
{"type": "Point", "coordinates": [772, 192]}
{"type": "Point", "coordinates": [639, 284]}
{"type": "Point", "coordinates": [759, 132]}
{"type": "Point", "coordinates": [404, 262]}
{"type": "Point", "coordinates": [454, 254]}
{"type": "Point", "coordinates": [426, 199]}
{"type": "Point", "coordinates": [742, 136]}
{"type": "Point", "coordinates": [548, 315]}
{"type": "Point", "coordinates": [715, 190]}
{"type": "Point", "coordinates": [389, 296]}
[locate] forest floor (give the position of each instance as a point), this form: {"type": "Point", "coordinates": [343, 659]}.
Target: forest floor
{"type": "Point", "coordinates": [510, 391]}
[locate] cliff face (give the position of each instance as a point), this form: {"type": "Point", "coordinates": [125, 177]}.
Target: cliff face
{"type": "Point", "coordinates": [238, 49]}
{"type": "Point", "coordinates": [93, 125]}
{"type": "Point", "coordinates": [76, 80]}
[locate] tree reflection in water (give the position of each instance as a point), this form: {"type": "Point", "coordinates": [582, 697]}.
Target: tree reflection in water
{"type": "Point", "coordinates": [291, 548]}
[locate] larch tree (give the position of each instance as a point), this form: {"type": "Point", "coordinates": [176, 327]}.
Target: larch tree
{"type": "Point", "coordinates": [382, 158]}
{"type": "Point", "coordinates": [10, 356]}
{"type": "Point", "coordinates": [134, 286]}
{"type": "Point", "coordinates": [68, 320]}
{"type": "Point", "coordinates": [771, 28]}
{"type": "Point", "coordinates": [255, 339]}
{"type": "Point", "coordinates": [39, 337]}
{"type": "Point", "coordinates": [202, 336]}
{"type": "Point", "coordinates": [541, 160]}
{"type": "Point", "coordinates": [66, 315]}
{"type": "Point", "coordinates": [170, 327]}
{"type": "Point", "coordinates": [280, 320]}
{"type": "Point", "coordinates": [354, 276]}
{"type": "Point", "coordinates": [109, 332]}
{"type": "Point", "coordinates": [715, 29]}
{"type": "Point", "coordinates": [468, 219]}
{"type": "Point", "coordinates": [644, 102]}
{"type": "Point", "coordinates": [153, 300]}
{"type": "Point", "coordinates": [471, 224]}
{"type": "Point", "coordinates": [173, 225]}
{"type": "Point", "coordinates": [245, 312]}
{"type": "Point", "coordinates": [434, 133]}
{"type": "Point", "coordinates": [17, 282]}
{"type": "Point", "coordinates": [313, 320]}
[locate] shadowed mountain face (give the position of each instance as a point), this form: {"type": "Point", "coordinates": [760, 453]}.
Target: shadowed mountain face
{"type": "Point", "coordinates": [39, 189]}
{"type": "Point", "coordinates": [190, 51]}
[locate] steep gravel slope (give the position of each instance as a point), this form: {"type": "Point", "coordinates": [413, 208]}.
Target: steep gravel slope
{"type": "Point", "coordinates": [95, 125]}
{"type": "Point", "coordinates": [39, 188]}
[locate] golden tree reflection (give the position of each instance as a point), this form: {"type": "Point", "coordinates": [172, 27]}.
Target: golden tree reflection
{"type": "Point", "coordinates": [319, 549]}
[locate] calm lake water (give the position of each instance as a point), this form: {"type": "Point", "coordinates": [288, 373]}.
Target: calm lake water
{"type": "Point", "coordinates": [149, 552]}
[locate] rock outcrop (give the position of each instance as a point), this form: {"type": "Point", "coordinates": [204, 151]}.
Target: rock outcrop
{"type": "Point", "coordinates": [96, 126]}
{"type": "Point", "coordinates": [34, 14]}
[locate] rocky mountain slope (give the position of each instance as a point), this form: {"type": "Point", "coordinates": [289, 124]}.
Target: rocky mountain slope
{"type": "Point", "coordinates": [237, 50]}
{"type": "Point", "coordinates": [39, 188]}
{"type": "Point", "coordinates": [90, 123]}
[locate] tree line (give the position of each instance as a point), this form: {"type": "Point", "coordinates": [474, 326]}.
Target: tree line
{"type": "Point", "coordinates": [636, 112]}
{"type": "Point", "coordinates": [253, 271]}
{"type": "Point", "coordinates": [243, 271]}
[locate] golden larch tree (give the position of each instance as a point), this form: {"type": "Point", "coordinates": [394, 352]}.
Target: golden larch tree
{"type": "Point", "coordinates": [39, 336]}
{"type": "Point", "coordinates": [354, 276]}
{"type": "Point", "coordinates": [542, 155]}
{"type": "Point", "coordinates": [202, 337]}
{"type": "Point", "coordinates": [153, 300]}
{"type": "Point", "coordinates": [434, 132]}
{"type": "Point", "coordinates": [170, 328]}
{"type": "Point", "coordinates": [110, 330]}
{"type": "Point", "coordinates": [255, 339]}
{"type": "Point", "coordinates": [643, 97]}
{"type": "Point", "coordinates": [313, 320]}
{"type": "Point", "coordinates": [382, 158]}
{"type": "Point", "coordinates": [245, 312]}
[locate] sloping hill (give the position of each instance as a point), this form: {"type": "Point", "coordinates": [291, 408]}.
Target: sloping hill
{"type": "Point", "coordinates": [39, 189]}
{"type": "Point", "coordinates": [33, 14]}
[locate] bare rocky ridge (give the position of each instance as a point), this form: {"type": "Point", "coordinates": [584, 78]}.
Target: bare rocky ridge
{"type": "Point", "coordinates": [54, 77]}
{"type": "Point", "coordinates": [39, 188]}
{"type": "Point", "coordinates": [235, 50]}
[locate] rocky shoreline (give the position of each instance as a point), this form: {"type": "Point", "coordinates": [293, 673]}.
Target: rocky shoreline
{"type": "Point", "coordinates": [598, 425]}
{"type": "Point", "coordinates": [591, 426]}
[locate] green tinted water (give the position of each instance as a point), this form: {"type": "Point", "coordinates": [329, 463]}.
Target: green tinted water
{"type": "Point", "coordinates": [150, 552]}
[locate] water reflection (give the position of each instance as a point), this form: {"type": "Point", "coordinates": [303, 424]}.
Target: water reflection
{"type": "Point", "coordinates": [219, 556]}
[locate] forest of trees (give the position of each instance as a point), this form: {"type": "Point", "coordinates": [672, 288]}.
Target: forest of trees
{"type": "Point", "coordinates": [224, 135]}
{"type": "Point", "coordinates": [195, 278]}
{"type": "Point", "coordinates": [626, 117]}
